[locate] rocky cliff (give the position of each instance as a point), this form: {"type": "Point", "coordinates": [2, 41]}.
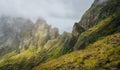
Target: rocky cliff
{"type": "Point", "coordinates": [30, 41]}
{"type": "Point", "coordinates": [92, 15]}
{"type": "Point", "coordinates": [93, 44]}
{"type": "Point", "coordinates": [103, 27]}
{"type": "Point", "coordinates": [18, 33]}
{"type": "Point", "coordinates": [98, 46]}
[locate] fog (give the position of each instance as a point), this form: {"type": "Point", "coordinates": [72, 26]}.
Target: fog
{"type": "Point", "coordinates": [102, 1]}
{"type": "Point", "coordinates": [59, 13]}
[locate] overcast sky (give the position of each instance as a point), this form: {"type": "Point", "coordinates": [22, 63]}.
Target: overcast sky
{"type": "Point", "coordinates": [59, 13]}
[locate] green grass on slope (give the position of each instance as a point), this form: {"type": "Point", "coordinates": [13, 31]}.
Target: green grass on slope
{"type": "Point", "coordinates": [4, 59]}
{"type": "Point", "coordinates": [106, 27]}
{"type": "Point", "coordinates": [33, 56]}
{"type": "Point", "coordinates": [58, 47]}
{"type": "Point", "coordinates": [20, 61]}
{"type": "Point", "coordinates": [102, 55]}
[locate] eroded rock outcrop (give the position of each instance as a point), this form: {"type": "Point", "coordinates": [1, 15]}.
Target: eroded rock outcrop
{"type": "Point", "coordinates": [77, 30]}
{"type": "Point", "coordinates": [94, 14]}
{"type": "Point", "coordinates": [17, 33]}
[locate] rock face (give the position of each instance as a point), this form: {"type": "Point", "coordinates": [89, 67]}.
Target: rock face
{"type": "Point", "coordinates": [98, 46]}
{"type": "Point", "coordinates": [90, 58]}
{"type": "Point", "coordinates": [97, 34]}
{"type": "Point", "coordinates": [105, 23]}
{"type": "Point", "coordinates": [18, 33]}
{"type": "Point", "coordinates": [54, 32]}
{"type": "Point", "coordinates": [90, 18]}
{"type": "Point", "coordinates": [77, 30]}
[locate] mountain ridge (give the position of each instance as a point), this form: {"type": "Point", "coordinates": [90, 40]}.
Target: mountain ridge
{"type": "Point", "coordinates": [93, 44]}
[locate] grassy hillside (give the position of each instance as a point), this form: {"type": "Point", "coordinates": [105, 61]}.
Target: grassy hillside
{"type": "Point", "coordinates": [105, 27]}
{"type": "Point", "coordinates": [103, 54]}
{"type": "Point", "coordinates": [94, 46]}
{"type": "Point", "coordinates": [108, 23]}
{"type": "Point", "coordinates": [33, 56]}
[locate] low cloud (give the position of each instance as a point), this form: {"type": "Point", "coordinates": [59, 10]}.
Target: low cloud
{"type": "Point", "coordinates": [60, 13]}
{"type": "Point", "coordinates": [101, 1]}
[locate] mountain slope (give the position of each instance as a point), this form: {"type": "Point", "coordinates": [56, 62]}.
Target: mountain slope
{"type": "Point", "coordinates": [40, 43]}
{"type": "Point", "coordinates": [99, 45]}
{"type": "Point", "coordinates": [96, 36]}
{"type": "Point", "coordinates": [103, 27]}
{"type": "Point", "coordinates": [103, 54]}
{"type": "Point", "coordinates": [28, 42]}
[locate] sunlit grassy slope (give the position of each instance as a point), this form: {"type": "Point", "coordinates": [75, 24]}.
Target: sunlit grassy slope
{"type": "Point", "coordinates": [33, 56]}
{"type": "Point", "coordinates": [103, 54]}
{"type": "Point", "coordinates": [105, 27]}
{"type": "Point", "coordinates": [106, 23]}
{"type": "Point", "coordinates": [97, 48]}
{"type": "Point", "coordinates": [101, 49]}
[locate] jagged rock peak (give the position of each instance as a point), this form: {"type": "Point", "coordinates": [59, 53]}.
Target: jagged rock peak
{"type": "Point", "coordinates": [54, 32]}
{"type": "Point", "coordinates": [77, 29]}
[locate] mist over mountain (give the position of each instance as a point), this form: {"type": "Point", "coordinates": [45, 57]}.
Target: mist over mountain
{"type": "Point", "coordinates": [17, 32]}
{"type": "Point", "coordinates": [92, 44]}
{"type": "Point", "coordinates": [58, 13]}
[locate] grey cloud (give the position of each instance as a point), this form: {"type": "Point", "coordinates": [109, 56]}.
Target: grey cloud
{"type": "Point", "coordinates": [101, 1]}
{"type": "Point", "coordinates": [60, 13]}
